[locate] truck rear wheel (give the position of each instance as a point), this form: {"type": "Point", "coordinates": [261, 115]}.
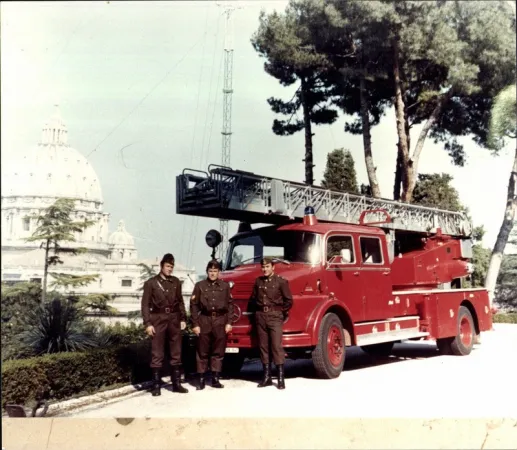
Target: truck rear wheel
{"type": "Point", "coordinates": [463, 342]}
{"type": "Point", "coordinates": [329, 355]}
{"type": "Point", "coordinates": [382, 349]}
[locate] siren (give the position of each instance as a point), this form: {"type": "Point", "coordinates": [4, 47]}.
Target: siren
{"type": "Point", "coordinates": [244, 227]}
{"type": "Point", "coordinates": [308, 216]}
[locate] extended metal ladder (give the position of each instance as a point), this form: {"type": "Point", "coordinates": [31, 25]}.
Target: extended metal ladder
{"type": "Point", "coordinates": [229, 194]}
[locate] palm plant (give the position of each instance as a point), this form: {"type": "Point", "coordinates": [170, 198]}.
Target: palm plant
{"type": "Point", "coordinates": [57, 326]}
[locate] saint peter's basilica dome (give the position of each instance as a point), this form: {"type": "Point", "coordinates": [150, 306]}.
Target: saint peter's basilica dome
{"type": "Point", "coordinates": [34, 179]}
{"type": "Point", "coordinates": [52, 169]}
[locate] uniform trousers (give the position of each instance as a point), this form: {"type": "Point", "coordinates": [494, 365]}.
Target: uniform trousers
{"type": "Point", "coordinates": [212, 337]}
{"type": "Point", "coordinates": [269, 332]}
{"type": "Point", "coordinates": [166, 325]}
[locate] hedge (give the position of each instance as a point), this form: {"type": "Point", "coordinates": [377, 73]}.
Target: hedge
{"type": "Point", "coordinates": [505, 318]}
{"type": "Point", "coordinates": [64, 375]}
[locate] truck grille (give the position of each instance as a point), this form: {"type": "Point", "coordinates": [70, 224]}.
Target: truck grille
{"type": "Point", "coordinates": [242, 289]}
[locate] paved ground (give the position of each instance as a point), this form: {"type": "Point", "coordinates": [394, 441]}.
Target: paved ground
{"type": "Point", "coordinates": [416, 382]}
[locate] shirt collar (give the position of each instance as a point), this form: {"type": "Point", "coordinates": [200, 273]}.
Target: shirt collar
{"type": "Point", "coordinates": [160, 278]}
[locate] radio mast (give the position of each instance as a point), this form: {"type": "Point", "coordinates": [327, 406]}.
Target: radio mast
{"type": "Point", "coordinates": [227, 112]}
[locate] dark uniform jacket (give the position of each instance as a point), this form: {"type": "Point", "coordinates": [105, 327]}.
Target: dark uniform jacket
{"type": "Point", "coordinates": [273, 292]}
{"type": "Point", "coordinates": [160, 293]}
{"type": "Point", "coordinates": [211, 297]}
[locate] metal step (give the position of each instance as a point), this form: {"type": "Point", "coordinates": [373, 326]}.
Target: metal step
{"type": "Point", "coordinates": [389, 336]}
{"type": "Point", "coordinates": [229, 194]}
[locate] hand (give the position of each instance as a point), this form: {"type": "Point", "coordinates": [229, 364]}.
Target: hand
{"type": "Point", "coordinates": [183, 325]}
{"type": "Point", "coordinates": [197, 330]}
{"type": "Point", "coordinates": [228, 328]}
{"type": "Point", "coordinates": [150, 330]}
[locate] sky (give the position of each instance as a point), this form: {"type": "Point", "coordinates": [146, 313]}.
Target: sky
{"type": "Point", "coordinates": [139, 86]}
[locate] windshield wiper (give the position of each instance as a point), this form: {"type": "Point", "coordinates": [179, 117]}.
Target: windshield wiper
{"type": "Point", "coordinates": [285, 261]}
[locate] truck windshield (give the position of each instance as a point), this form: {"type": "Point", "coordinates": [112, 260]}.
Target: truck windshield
{"type": "Point", "coordinates": [290, 246]}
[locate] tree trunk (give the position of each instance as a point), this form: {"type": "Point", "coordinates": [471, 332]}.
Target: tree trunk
{"type": "Point", "coordinates": [413, 166]}
{"type": "Point", "coordinates": [309, 177]}
{"type": "Point", "coordinates": [397, 187]}
{"type": "Point", "coordinates": [367, 142]}
{"type": "Point", "coordinates": [45, 275]}
{"type": "Point", "coordinates": [400, 118]}
{"type": "Point", "coordinates": [504, 233]}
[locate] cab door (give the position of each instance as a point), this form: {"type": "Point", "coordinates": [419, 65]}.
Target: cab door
{"type": "Point", "coordinates": [376, 278]}
{"type": "Point", "coordinates": [343, 274]}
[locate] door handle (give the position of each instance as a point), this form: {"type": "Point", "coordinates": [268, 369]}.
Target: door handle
{"type": "Point", "coordinates": [356, 274]}
{"type": "Point", "coordinates": [385, 273]}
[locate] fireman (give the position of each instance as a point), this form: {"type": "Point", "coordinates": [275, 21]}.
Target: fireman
{"type": "Point", "coordinates": [271, 300]}
{"type": "Point", "coordinates": [211, 310]}
{"type": "Point", "coordinates": [163, 313]}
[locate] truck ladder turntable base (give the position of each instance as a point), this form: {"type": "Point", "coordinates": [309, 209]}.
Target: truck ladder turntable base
{"type": "Point", "coordinates": [394, 329]}
{"type": "Point", "coordinates": [227, 194]}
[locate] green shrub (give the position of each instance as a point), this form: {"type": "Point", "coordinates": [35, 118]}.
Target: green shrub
{"type": "Point", "coordinates": [505, 318]}
{"type": "Point", "coordinates": [64, 375]}
{"type": "Point", "coordinates": [124, 334]}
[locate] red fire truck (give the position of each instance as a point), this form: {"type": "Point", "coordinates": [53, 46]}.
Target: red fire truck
{"type": "Point", "coordinates": [363, 271]}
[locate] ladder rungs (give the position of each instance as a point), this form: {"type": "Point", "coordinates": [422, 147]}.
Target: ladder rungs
{"type": "Point", "coordinates": [236, 195]}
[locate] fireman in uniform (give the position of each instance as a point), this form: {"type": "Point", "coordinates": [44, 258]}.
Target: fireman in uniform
{"type": "Point", "coordinates": [211, 310]}
{"type": "Point", "coordinates": [271, 300]}
{"type": "Point", "coordinates": [164, 314]}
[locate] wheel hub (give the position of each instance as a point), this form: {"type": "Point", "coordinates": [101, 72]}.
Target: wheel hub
{"type": "Point", "coordinates": [466, 335]}
{"type": "Point", "coordinates": [335, 348]}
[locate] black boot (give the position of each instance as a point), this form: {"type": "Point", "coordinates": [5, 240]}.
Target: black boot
{"type": "Point", "coordinates": [215, 380]}
{"type": "Point", "coordinates": [156, 391]}
{"type": "Point", "coordinates": [176, 381]}
{"type": "Point", "coordinates": [266, 379]}
{"type": "Point", "coordinates": [281, 379]}
{"type": "Point", "coordinates": [201, 384]}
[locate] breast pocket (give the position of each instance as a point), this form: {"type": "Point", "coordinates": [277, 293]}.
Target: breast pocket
{"type": "Point", "coordinates": [220, 297]}
{"type": "Point", "coordinates": [159, 298]}
{"type": "Point", "coordinates": [271, 291]}
{"type": "Point", "coordinates": [205, 297]}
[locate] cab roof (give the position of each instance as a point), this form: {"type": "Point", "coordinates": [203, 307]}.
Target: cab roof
{"type": "Point", "coordinates": [320, 228]}
{"type": "Point", "coordinates": [323, 228]}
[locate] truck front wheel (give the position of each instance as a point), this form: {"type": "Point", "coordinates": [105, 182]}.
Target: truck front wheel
{"type": "Point", "coordinates": [329, 355]}
{"type": "Point", "coordinates": [462, 343]}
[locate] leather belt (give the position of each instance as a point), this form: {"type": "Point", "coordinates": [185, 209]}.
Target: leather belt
{"type": "Point", "coordinates": [270, 308]}
{"type": "Point", "coordinates": [213, 313]}
{"type": "Point", "coordinates": [166, 310]}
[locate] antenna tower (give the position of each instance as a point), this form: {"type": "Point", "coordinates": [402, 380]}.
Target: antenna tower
{"type": "Point", "coordinates": [227, 112]}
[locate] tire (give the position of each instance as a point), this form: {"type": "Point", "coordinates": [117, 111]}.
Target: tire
{"type": "Point", "coordinates": [379, 350]}
{"type": "Point", "coordinates": [329, 355]}
{"type": "Point", "coordinates": [463, 342]}
{"type": "Point", "coordinates": [232, 364]}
